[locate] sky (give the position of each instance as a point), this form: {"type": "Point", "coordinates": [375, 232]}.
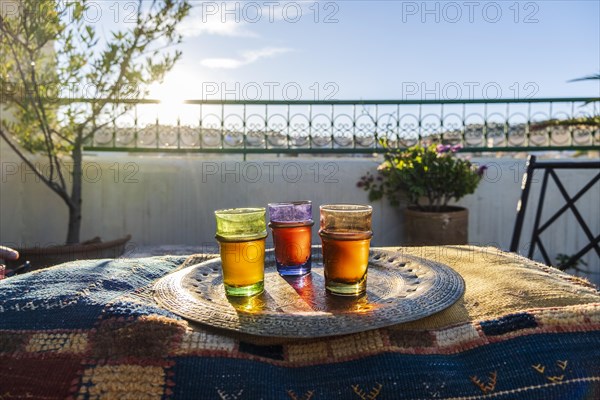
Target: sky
{"type": "Point", "coordinates": [358, 50]}
{"type": "Point", "coordinates": [406, 50]}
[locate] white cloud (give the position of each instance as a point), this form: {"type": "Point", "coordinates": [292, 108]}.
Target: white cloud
{"type": "Point", "coordinates": [231, 20]}
{"type": "Point", "coordinates": [195, 26]}
{"type": "Point", "coordinates": [246, 58]}
{"type": "Point", "coordinates": [226, 63]}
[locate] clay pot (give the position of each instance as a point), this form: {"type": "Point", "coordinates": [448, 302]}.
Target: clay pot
{"type": "Point", "coordinates": [426, 228]}
{"type": "Point", "coordinates": [42, 257]}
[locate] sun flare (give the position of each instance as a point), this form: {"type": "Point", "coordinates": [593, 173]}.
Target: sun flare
{"type": "Point", "coordinates": [172, 93]}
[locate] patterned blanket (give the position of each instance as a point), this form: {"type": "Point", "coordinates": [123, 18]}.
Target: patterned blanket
{"type": "Point", "coordinates": [90, 330]}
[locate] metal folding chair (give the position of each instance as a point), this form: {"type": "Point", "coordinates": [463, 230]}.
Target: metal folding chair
{"type": "Point", "coordinates": [549, 168]}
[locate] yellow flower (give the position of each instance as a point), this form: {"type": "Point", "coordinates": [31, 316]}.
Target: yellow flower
{"type": "Point", "coordinates": [383, 166]}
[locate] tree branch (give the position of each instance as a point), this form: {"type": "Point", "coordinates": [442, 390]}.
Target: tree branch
{"type": "Point", "coordinates": [48, 131]}
{"type": "Point", "coordinates": [26, 87]}
{"type": "Point", "coordinates": [53, 186]}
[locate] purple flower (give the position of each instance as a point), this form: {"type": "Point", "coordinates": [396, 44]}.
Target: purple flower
{"type": "Point", "coordinates": [456, 148]}
{"type": "Point", "coordinates": [443, 148]}
{"type": "Point", "coordinates": [481, 170]}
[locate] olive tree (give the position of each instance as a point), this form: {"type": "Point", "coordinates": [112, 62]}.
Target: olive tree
{"type": "Point", "coordinates": [49, 45]}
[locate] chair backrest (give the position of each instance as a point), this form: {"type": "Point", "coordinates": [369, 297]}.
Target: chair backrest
{"type": "Point", "coordinates": [549, 168]}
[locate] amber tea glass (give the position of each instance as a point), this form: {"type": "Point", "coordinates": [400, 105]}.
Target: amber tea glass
{"type": "Point", "coordinates": [241, 233]}
{"type": "Point", "coordinates": [345, 231]}
{"type": "Point", "coordinates": [291, 225]}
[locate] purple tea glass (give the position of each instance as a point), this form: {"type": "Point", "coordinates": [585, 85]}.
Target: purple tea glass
{"type": "Point", "coordinates": [291, 224]}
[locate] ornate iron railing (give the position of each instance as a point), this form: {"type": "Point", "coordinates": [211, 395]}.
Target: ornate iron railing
{"type": "Point", "coordinates": [352, 126]}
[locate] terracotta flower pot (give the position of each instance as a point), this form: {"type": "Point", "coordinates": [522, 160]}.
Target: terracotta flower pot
{"type": "Point", "coordinates": [42, 257]}
{"type": "Point", "coordinates": [425, 228]}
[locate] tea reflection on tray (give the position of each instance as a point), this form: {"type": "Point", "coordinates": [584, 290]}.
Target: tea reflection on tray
{"type": "Point", "coordinates": [311, 290]}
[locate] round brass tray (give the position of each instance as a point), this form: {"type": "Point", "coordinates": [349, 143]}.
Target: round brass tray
{"type": "Point", "coordinates": [400, 288]}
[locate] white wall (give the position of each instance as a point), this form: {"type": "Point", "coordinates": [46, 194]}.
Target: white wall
{"type": "Point", "coordinates": [170, 199]}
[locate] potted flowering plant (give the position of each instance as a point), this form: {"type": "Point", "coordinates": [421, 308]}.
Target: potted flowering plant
{"type": "Point", "coordinates": [430, 177]}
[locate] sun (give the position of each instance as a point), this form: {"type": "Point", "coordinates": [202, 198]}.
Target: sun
{"type": "Point", "coordinates": [172, 93]}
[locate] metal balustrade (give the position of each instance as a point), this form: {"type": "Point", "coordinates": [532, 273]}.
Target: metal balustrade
{"type": "Point", "coordinates": [346, 126]}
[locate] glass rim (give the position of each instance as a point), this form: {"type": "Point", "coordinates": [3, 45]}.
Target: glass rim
{"type": "Point", "coordinates": [290, 203]}
{"type": "Point", "coordinates": [240, 211]}
{"type": "Point", "coordinates": [346, 207]}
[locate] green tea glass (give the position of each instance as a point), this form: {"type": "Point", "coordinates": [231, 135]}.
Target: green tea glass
{"type": "Point", "coordinates": [241, 233]}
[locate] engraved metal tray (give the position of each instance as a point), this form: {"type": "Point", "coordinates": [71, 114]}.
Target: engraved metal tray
{"type": "Point", "coordinates": [400, 288]}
